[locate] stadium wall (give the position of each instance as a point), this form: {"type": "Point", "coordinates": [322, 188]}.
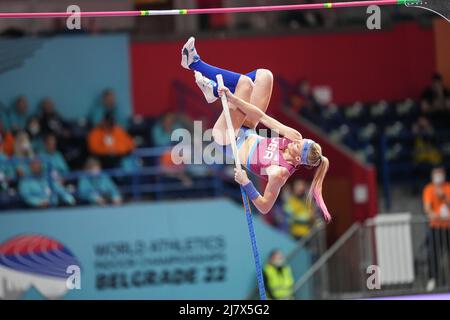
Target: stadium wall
{"type": "Point", "coordinates": [390, 64]}
{"type": "Point", "coordinates": [442, 36]}
{"type": "Point", "coordinates": [72, 70]}
{"type": "Point", "coordinates": [176, 250]}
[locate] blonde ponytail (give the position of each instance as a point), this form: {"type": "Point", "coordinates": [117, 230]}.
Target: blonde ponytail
{"type": "Point", "coordinates": [315, 191]}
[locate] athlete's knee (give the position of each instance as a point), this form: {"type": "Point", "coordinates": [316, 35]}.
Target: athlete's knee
{"type": "Point", "coordinates": [264, 75]}
{"type": "Point", "coordinates": [245, 83]}
{"type": "Point", "coordinates": [218, 133]}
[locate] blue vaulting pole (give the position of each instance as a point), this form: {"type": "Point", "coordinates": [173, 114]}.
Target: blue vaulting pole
{"type": "Point", "coordinates": [251, 231]}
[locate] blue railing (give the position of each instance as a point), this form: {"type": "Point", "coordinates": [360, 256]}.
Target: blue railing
{"type": "Point", "coordinates": [138, 183]}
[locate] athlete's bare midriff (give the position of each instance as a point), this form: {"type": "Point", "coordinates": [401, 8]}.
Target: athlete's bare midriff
{"type": "Point", "coordinates": [245, 149]}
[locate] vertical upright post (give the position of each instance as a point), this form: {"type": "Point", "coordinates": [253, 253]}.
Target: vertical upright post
{"type": "Point", "coordinates": [245, 200]}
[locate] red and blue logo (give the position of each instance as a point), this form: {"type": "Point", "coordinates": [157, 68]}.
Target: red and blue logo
{"type": "Point", "coordinates": [37, 261]}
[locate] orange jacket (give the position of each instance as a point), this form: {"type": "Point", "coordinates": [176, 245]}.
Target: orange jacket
{"type": "Point", "coordinates": [431, 198]}
{"type": "Point", "coordinates": [115, 141]}
{"type": "Point", "coordinates": [7, 144]}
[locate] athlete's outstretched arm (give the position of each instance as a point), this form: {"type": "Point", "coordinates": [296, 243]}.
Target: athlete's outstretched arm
{"type": "Point", "coordinates": [257, 115]}
{"type": "Point", "coordinates": [277, 178]}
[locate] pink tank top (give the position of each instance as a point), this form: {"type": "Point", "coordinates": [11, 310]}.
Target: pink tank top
{"type": "Point", "coordinates": [266, 152]}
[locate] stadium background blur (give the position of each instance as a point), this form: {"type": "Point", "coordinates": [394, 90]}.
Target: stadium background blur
{"type": "Point", "coordinates": [86, 123]}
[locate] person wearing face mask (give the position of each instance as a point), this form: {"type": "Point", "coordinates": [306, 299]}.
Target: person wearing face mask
{"type": "Point", "coordinates": [23, 151]}
{"type": "Point", "coordinates": [278, 277]}
{"type": "Point", "coordinates": [96, 187]}
{"type": "Point", "coordinates": [110, 142]}
{"type": "Point", "coordinates": [436, 204]}
{"type": "Point", "coordinates": [35, 134]}
{"type": "Point", "coordinates": [436, 199]}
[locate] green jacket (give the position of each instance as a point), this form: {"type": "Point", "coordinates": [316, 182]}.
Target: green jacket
{"type": "Point", "coordinates": [280, 282]}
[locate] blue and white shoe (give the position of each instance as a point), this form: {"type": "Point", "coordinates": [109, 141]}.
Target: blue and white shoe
{"type": "Point", "coordinates": [207, 86]}
{"type": "Point", "coordinates": [189, 54]}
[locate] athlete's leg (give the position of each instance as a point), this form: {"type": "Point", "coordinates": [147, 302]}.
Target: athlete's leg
{"type": "Point", "coordinates": [261, 90]}
{"type": "Point", "coordinates": [230, 78]}
{"type": "Point", "coordinates": [190, 59]}
{"type": "Point", "coordinates": [205, 74]}
{"type": "Point", "coordinates": [255, 88]}
{"type": "Point", "coordinates": [261, 93]}
{"type": "Point", "coordinates": [243, 90]}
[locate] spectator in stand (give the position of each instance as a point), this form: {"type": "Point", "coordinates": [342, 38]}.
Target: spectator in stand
{"type": "Point", "coordinates": [303, 101]}
{"type": "Point", "coordinates": [436, 198]}
{"type": "Point", "coordinates": [6, 150]}
{"type": "Point", "coordinates": [51, 156]}
{"type": "Point", "coordinates": [107, 105]}
{"type": "Point", "coordinates": [300, 214]}
{"type": "Point", "coordinates": [171, 166]}
{"type": "Point", "coordinates": [38, 190]}
{"type": "Point", "coordinates": [35, 133]}
{"type": "Point", "coordinates": [23, 152]}
{"type": "Point", "coordinates": [96, 187]}
{"type": "Point", "coordinates": [425, 151]}
{"type": "Point", "coordinates": [22, 145]}
{"type": "Point", "coordinates": [110, 142]}
{"type": "Point", "coordinates": [435, 102]}
{"type": "Point", "coordinates": [51, 121]}
{"type": "Point", "coordinates": [6, 141]}
{"type": "Point", "coordinates": [6, 172]}
{"type": "Point", "coordinates": [436, 204]}
{"type": "Point", "coordinates": [161, 131]}
{"type": "Point", "coordinates": [18, 115]}
{"type": "Point", "coordinates": [278, 277]}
